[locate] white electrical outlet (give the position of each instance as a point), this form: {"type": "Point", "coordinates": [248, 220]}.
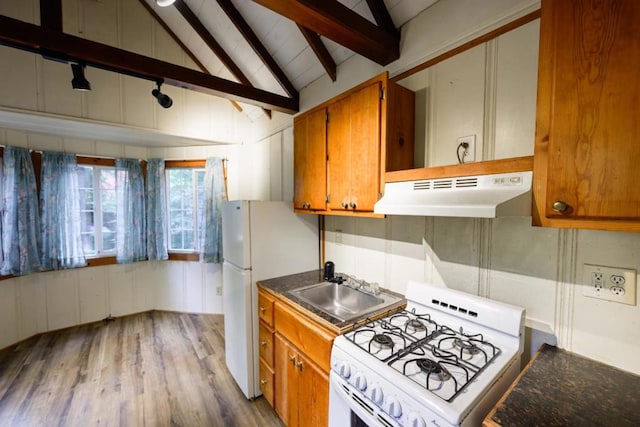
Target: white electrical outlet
{"type": "Point", "coordinates": [610, 283]}
{"type": "Point", "coordinates": [467, 153]}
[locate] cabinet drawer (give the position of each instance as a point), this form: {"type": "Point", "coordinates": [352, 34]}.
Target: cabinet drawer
{"type": "Point", "coordinates": [265, 308]}
{"type": "Point", "coordinates": [307, 336]}
{"type": "Point", "coordinates": [266, 343]}
{"type": "Point", "coordinates": [267, 382]}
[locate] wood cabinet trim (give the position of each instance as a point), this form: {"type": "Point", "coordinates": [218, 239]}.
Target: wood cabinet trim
{"type": "Point", "coordinates": [516, 164]}
{"type": "Point", "coordinates": [306, 335]}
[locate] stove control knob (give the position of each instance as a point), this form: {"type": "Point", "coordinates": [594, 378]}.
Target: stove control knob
{"type": "Point", "coordinates": [376, 394]}
{"type": "Point", "coordinates": [344, 370]}
{"type": "Point", "coordinates": [415, 420]}
{"type": "Point", "coordinates": [395, 410]}
{"type": "Point", "coordinates": [360, 381]}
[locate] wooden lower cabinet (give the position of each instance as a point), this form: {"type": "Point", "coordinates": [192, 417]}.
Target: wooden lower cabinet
{"type": "Point", "coordinates": [302, 388]}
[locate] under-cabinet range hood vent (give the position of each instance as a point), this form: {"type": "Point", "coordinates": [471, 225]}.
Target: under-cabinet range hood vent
{"type": "Point", "coordinates": [482, 196]}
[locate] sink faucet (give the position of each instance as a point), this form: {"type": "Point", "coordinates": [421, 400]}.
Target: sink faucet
{"type": "Point", "coordinates": [362, 285]}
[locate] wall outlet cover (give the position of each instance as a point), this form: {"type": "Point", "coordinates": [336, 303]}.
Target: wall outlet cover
{"type": "Point", "coordinates": [610, 283]}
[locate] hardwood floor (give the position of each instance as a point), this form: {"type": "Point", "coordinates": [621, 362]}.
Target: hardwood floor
{"type": "Point", "coordinates": [150, 369]}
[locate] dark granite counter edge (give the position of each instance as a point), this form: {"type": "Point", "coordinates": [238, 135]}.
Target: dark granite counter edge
{"type": "Point", "coordinates": [561, 388]}
{"type": "Point", "coordinates": [282, 285]}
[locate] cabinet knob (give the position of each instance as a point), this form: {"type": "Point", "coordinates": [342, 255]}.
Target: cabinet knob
{"type": "Point", "coordinates": [262, 310]}
{"type": "Point", "coordinates": [352, 205]}
{"type": "Point", "coordinates": [559, 206]}
{"type": "Point", "coordinates": [292, 359]}
{"type": "Point", "coordinates": [263, 343]}
{"type": "Point", "coordinates": [299, 365]}
{"type": "Point", "coordinates": [263, 382]}
{"type": "Point", "coordinates": [345, 205]}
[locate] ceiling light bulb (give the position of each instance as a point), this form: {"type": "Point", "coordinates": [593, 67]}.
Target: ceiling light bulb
{"type": "Point", "coordinates": [165, 3]}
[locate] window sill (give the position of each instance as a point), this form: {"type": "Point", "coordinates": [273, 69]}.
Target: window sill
{"type": "Point", "coordinates": [111, 260]}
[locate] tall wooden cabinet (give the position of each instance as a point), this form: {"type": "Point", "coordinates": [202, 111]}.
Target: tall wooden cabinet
{"type": "Point", "coordinates": [587, 148]}
{"type": "Point", "coordinates": [368, 130]}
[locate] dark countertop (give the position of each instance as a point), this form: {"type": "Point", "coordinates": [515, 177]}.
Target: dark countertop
{"type": "Point", "coordinates": [559, 388]}
{"type": "Point", "coordinates": [282, 285]}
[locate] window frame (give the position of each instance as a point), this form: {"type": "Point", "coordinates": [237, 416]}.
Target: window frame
{"type": "Point", "coordinates": [102, 260]}
{"type": "Point", "coordinates": [183, 164]}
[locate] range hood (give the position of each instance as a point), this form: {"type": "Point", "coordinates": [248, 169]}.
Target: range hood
{"type": "Point", "coordinates": [482, 196]}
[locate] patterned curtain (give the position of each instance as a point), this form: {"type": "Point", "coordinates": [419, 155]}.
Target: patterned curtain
{"type": "Point", "coordinates": [157, 248]}
{"type": "Point", "coordinates": [214, 195]}
{"type": "Point", "coordinates": [21, 219]}
{"type": "Point", "coordinates": [60, 207]}
{"type": "Point", "coordinates": [130, 212]}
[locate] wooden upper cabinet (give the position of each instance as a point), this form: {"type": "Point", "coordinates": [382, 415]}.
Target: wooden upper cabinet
{"type": "Point", "coordinates": [353, 135]}
{"type": "Point", "coordinates": [309, 161]}
{"type": "Point", "coordinates": [369, 130]}
{"type": "Point", "coordinates": [585, 164]}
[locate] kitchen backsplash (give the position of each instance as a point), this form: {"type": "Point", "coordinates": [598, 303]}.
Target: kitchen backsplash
{"type": "Point", "coordinates": [508, 260]}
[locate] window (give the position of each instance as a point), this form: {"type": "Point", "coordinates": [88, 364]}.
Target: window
{"type": "Point", "coordinates": [97, 185]}
{"type": "Point", "coordinates": [185, 191]}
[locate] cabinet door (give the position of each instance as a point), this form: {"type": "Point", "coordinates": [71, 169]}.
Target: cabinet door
{"type": "Point", "coordinates": [587, 126]}
{"type": "Point", "coordinates": [309, 160]}
{"type": "Point", "coordinates": [286, 382]}
{"type": "Point", "coordinates": [314, 387]}
{"type": "Point", "coordinates": [353, 140]}
{"type": "Point", "coordinates": [365, 147]}
{"type": "Point", "coordinates": [339, 151]}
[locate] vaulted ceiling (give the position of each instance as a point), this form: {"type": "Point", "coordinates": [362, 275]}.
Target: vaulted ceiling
{"type": "Point", "coordinates": [259, 54]}
{"type": "Point", "coordinates": [281, 46]}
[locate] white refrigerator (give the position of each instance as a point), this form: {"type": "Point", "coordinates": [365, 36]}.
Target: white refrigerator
{"type": "Point", "coordinates": [260, 240]}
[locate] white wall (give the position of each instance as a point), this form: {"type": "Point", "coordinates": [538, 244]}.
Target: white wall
{"type": "Point", "coordinates": [47, 301]}
{"type": "Point", "coordinates": [38, 85]}
{"type": "Point", "coordinates": [505, 259]}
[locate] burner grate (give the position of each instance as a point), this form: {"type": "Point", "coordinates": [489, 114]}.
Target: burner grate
{"type": "Point", "coordinates": [436, 357]}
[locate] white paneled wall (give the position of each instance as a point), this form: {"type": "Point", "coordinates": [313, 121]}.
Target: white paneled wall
{"type": "Point", "coordinates": [39, 85]}
{"type": "Point", "coordinates": [504, 259]}
{"type": "Point", "coordinates": [47, 301]}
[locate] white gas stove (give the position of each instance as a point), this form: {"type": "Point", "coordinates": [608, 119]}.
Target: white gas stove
{"type": "Point", "coordinates": [444, 361]}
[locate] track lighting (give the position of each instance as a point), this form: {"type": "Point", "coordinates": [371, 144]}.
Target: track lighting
{"type": "Point", "coordinates": [163, 100]}
{"type": "Point", "coordinates": [165, 3]}
{"type": "Point", "coordinates": [79, 81]}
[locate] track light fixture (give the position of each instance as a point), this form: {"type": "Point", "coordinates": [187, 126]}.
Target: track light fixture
{"type": "Point", "coordinates": [79, 81]}
{"type": "Point", "coordinates": [165, 3]}
{"type": "Point", "coordinates": [163, 99]}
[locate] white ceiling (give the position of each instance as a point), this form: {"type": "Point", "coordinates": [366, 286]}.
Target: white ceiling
{"type": "Point", "coordinates": [280, 36]}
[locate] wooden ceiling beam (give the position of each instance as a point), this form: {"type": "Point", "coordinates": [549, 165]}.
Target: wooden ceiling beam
{"type": "Point", "coordinates": [213, 44]}
{"type": "Point", "coordinates": [337, 22]}
{"type": "Point", "coordinates": [177, 40]}
{"type": "Point", "coordinates": [321, 51]}
{"type": "Point", "coordinates": [250, 36]}
{"type": "Point", "coordinates": [66, 47]}
{"type": "Point", "coordinates": [382, 17]}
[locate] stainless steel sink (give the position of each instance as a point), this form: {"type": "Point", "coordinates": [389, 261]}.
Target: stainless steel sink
{"type": "Point", "coordinates": [343, 302]}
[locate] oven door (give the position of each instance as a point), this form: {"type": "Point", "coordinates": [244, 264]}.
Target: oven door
{"type": "Point", "coordinates": [349, 408]}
